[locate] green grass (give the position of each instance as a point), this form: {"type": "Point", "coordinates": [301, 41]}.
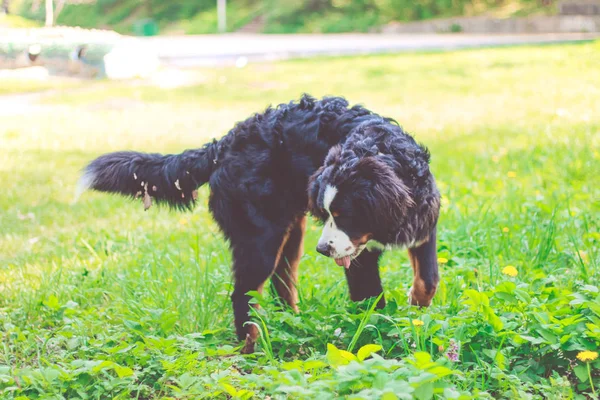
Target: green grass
{"type": "Point", "coordinates": [25, 85]}
{"type": "Point", "coordinates": [99, 299]}
{"type": "Point", "coordinates": [15, 21]}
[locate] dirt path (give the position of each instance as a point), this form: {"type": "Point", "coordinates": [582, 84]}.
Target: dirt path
{"type": "Point", "coordinates": [198, 50]}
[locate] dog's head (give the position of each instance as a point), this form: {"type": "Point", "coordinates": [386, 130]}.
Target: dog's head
{"type": "Point", "coordinates": [358, 198]}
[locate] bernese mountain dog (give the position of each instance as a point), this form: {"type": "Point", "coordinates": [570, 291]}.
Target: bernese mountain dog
{"type": "Point", "coordinates": [361, 174]}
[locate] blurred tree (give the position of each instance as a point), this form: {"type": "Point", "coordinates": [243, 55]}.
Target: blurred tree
{"type": "Point", "coordinates": [49, 13]}
{"type": "Point", "coordinates": [276, 16]}
{"type": "Point", "coordinates": [318, 5]}
{"type": "Point", "coordinates": [59, 6]}
{"type": "Point", "coordinates": [52, 11]}
{"type": "Point", "coordinates": [4, 7]}
{"type": "Point", "coordinates": [222, 15]}
{"type": "Point", "coordinates": [149, 8]}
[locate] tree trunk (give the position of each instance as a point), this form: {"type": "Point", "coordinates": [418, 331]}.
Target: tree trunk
{"type": "Point", "coordinates": [222, 15]}
{"type": "Point", "coordinates": [59, 6]}
{"type": "Point", "coordinates": [49, 13]}
{"type": "Point", "coordinates": [4, 7]}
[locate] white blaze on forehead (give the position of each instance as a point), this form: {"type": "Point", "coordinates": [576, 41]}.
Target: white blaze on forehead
{"type": "Point", "coordinates": [328, 196]}
{"type": "Point", "coordinates": [339, 241]}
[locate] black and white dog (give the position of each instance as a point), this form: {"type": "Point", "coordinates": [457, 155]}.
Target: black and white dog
{"type": "Point", "coordinates": [359, 173]}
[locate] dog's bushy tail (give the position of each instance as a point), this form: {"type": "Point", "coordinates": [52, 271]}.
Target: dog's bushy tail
{"type": "Point", "coordinates": [167, 179]}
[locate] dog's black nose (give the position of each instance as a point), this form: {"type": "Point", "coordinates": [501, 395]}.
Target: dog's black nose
{"type": "Point", "coordinates": [324, 248]}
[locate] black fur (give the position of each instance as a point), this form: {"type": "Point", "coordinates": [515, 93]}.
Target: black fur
{"type": "Point", "coordinates": [383, 175]}
{"type": "Point", "coordinates": [363, 277]}
{"type": "Point", "coordinates": [170, 179]}
{"type": "Point", "coordinates": [259, 174]}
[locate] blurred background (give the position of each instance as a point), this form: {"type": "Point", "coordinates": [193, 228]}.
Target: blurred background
{"type": "Point", "coordinates": [505, 94]}
{"type": "Point", "coordinates": [146, 17]}
{"type": "Point", "coordinates": [94, 37]}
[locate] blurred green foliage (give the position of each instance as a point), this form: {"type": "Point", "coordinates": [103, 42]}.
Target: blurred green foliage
{"type": "Point", "coordinates": [282, 16]}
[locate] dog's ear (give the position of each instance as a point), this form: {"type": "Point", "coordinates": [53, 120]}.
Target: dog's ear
{"type": "Point", "coordinates": [387, 191]}
{"type": "Point", "coordinates": [371, 168]}
{"type": "Point", "coordinates": [315, 182]}
{"type": "Point", "coordinates": [334, 156]}
{"type": "Point", "coordinates": [314, 188]}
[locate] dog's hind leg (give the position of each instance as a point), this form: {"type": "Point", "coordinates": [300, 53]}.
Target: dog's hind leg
{"type": "Point", "coordinates": [424, 262]}
{"type": "Point", "coordinates": [363, 277]}
{"type": "Point", "coordinates": [286, 273]}
{"type": "Point", "coordinates": [254, 261]}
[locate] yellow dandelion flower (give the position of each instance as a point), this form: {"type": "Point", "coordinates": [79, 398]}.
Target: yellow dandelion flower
{"type": "Point", "coordinates": [183, 221]}
{"type": "Point", "coordinates": [511, 174]}
{"type": "Point", "coordinates": [495, 159]}
{"type": "Point", "coordinates": [169, 280]}
{"type": "Point", "coordinates": [442, 260]}
{"type": "Point", "coordinates": [510, 271]}
{"type": "Point", "coordinates": [505, 229]}
{"type": "Point", "coordinates": [417, 322]}
{"type": "Point", "coordinates": [586, 356]}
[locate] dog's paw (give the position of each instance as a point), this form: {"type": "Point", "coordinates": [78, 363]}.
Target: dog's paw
{"type": "Point", "coordinates": [249, 344]}
{"type": "Point", "coordinates": [417, 299]}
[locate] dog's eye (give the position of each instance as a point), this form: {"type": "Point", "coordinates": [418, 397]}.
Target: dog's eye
{"type": "Point", "coordinates": [335, 214]}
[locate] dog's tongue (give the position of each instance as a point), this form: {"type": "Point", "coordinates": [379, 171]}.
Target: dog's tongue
{"type": "Point", "coordinates": [345, 261]}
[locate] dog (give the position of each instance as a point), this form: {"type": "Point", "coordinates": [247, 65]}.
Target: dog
{"type": "Point", "coordinates": [360, 174]}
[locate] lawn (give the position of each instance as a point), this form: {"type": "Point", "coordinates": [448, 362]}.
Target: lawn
{"type": "Point", "coordinates": [99, 299]}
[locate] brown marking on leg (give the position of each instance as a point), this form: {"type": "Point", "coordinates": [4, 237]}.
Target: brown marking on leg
{"type": "Point", "coordinates": [254, 263]}
{"type": "Point", "coordinates": [285, 277]}
{"type": "Point", "coordinates": [423, 259]}
{"type": "Point", "coordinates": [291, 245]}
{"type": "Point", "coordinates": [252, 331]}
{"type": "Point", "coordinates": [363, 277]}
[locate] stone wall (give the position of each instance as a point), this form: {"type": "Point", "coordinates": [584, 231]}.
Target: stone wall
{"type": "Point", "coordinates": [579, 7]}
{"type": "Point", "coordinates": [537, 24]}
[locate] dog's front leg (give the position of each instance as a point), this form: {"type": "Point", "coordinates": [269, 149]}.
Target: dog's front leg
{"type": "Point", "coordinates": [425, 268]}
{"type": "Point", "coordinates": [363, 277]}
{"type": "Point", "coordinates": [253, 263]}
